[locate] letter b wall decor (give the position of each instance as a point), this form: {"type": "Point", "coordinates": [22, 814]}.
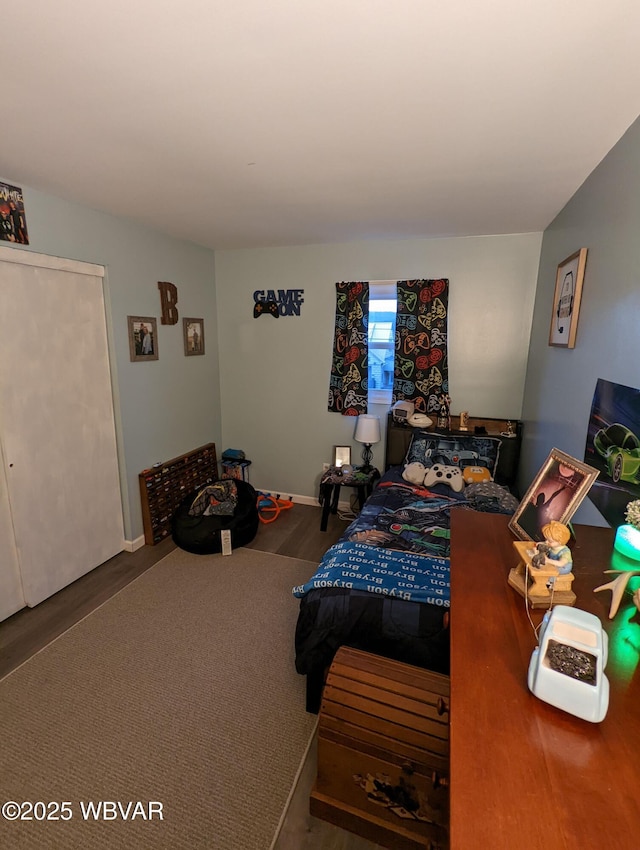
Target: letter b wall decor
{"type": "Point", "coordinates": [168, 301]}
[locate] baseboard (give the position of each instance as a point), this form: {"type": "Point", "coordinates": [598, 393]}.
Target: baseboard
{"type": "Point", "coordinates": [138, 543]}
{"type": "Point", "coordinates": [134, 545]}
{"type": "Point", "coordinates": [303, 500]}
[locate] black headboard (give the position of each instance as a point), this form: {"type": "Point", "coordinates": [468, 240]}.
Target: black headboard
{"type": "Point", "coordinates": [399, 437]}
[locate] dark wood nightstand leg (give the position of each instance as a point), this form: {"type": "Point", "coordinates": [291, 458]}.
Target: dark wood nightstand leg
{"type": "Point", "coordinates": [362, 495]}
{"type": "Point", "coordinates": [326, 490]}
{"type": "Point", "coordinates": [336, 499]}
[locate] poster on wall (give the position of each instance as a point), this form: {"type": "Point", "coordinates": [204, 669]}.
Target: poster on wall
{"type": "Point", "coordinates": [13, 222]}
{"type": "Point", "coordinates": [613, 447]}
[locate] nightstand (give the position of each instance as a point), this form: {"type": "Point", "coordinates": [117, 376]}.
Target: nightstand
{"type": "Point", "coordinates": [333, 480]}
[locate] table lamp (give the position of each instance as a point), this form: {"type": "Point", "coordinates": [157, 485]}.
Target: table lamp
{"type": "Point", "coordinates": [367, 432]}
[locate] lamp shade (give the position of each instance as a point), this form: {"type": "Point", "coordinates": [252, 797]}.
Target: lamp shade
{"type": "Point", "coordinates": [368, 429]}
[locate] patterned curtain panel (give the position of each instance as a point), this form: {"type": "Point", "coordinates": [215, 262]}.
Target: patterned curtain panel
{"type": "Point", "coordinates": [421, 370]}
{"type": "Point", "coordinates": [348, 385]}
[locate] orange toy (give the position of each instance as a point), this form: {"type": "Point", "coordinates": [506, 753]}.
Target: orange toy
{"type": "Point", "coordinates": [270, 507]}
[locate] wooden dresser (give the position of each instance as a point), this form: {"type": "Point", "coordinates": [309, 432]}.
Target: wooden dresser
{"type": "Point", "coordinates": [525, 775]}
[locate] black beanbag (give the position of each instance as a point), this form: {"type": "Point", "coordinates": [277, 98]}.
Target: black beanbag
{"type": "Point", "coordinates": [201, 534]}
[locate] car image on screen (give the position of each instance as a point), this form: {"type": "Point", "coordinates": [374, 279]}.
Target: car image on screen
{"type": "Point", "coordinates": [620, 449]}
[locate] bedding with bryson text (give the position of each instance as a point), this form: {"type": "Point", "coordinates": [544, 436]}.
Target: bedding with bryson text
{"type": "Point", "coordinates": [384, 586]}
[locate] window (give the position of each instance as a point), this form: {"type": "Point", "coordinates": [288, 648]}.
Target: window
{"type": "Point", "coordinates": [381, 339]}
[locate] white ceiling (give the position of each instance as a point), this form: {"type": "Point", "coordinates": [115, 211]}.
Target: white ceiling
{"type": "Point", "coordinates": [288, 122]}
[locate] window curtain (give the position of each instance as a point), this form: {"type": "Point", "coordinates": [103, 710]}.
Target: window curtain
{"type": "Point", "coordinates": [421, 369]}
{"type": "Point", "coordinates": [348, 385]}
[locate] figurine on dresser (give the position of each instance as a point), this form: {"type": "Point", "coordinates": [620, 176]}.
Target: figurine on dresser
{"type": "Point", "coordinates": [543, 575]}
{"type": "Point", "coordinates": [554, 551]}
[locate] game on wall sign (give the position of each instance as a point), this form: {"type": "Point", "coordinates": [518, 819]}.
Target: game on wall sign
{"type": "Point", "coordinates": [286, 302]}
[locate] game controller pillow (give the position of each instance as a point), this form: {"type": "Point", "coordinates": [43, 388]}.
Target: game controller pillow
{"type": "Point", "coordinates": [441, 474]}
{"type": "Point", "coordinates": [461, 450]}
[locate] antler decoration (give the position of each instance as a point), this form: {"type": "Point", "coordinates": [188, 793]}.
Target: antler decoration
{"type": "Point", "coordinates": [617, 586]}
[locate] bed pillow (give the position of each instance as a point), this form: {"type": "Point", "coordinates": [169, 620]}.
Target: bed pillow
{"type": "Point", "coordinates": [414, 473]}
{"type": "Point", "coordinates": [462, 450]}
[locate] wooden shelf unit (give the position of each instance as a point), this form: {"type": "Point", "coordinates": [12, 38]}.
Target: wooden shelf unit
{"type": "Point", "coordinates": [164, 486]}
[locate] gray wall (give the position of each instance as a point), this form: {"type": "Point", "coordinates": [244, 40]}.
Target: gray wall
{"type": "Point", "coordinates": [164, 407]}
{"type": "Point", "coordinates": [275, 372]}
{"type": "Point", "coordinates": [603, 216]}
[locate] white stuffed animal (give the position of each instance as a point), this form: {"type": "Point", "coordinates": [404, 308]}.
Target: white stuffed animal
{"type": "Point", "coordinates": [414, 473]}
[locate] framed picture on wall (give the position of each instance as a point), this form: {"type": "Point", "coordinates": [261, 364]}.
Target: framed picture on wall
{"type": "Point", "coordinates": [566, 300]}
{"type": "Point", "coordinates": [143, 338]}
{"type": "Point", "coordinates": [193, 331]}
{"type": "Point", "coordinates": [555, 494]}
{"type": "Point", "coordinates": [13, 221]}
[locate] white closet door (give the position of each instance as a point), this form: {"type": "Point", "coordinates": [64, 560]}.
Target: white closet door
{"type": "Point", "coordinates": [57, 421]}
{"type": "Point", "coordinates": [11, 596]}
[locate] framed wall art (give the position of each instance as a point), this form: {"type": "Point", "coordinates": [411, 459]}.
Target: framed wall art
{"type": "Point", "coordinates": [566, 300]}
{"type": "Point", "coordinates": [193, 331]}
{"type": "Point", "coordinates": [13, 222]}
{"type": "Point", "coordinates": [555, 494]}
{"type": "Point", "coordinates": [143, 338]}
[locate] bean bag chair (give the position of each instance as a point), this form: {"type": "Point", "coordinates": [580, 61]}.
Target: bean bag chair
{"type": "Point", "coordinates": [203, 514]}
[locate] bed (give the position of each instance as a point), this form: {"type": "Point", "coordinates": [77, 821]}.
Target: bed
{"type": "Point", "coordinates": [384, 586]}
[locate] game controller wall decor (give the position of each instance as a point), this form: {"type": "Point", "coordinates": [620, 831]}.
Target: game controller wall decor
{"type": "Point", "coordinates": [268, 307]}
{"type": "Point", "coordinates": [287, 302]}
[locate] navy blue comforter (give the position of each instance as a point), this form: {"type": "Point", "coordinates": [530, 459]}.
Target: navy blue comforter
{"type": "Point", "coordinates": [384, 587]}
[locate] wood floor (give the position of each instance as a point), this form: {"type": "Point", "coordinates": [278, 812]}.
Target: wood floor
{"type": "Point", "coordinates": [296, 534]}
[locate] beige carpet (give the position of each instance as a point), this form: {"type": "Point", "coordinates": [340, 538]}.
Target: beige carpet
{"type": "Point", "coordinates": [182, 690]}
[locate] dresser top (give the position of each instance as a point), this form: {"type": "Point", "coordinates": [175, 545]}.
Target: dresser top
{"type": "Point", "coordinates": [525, 775]}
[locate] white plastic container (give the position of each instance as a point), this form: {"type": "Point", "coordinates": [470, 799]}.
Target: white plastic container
{"type": "Point", "coordinates": [567, 668]}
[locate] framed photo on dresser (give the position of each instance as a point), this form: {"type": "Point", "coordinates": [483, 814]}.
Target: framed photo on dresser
{"type": "Point", "coordinates": [555, 494]}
